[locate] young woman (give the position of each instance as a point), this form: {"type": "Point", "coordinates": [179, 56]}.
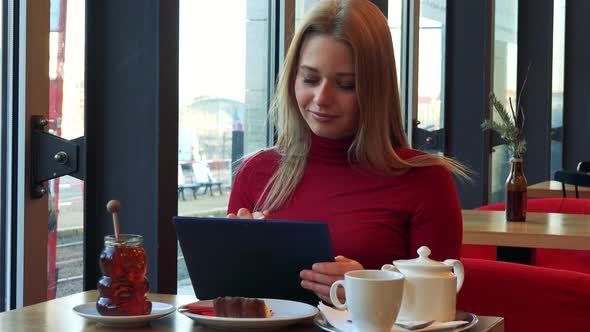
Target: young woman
{"type": "Point", "coordinates": [341, 154]}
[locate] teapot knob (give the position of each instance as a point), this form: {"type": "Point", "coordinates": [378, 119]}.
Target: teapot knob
{"type": "Point", "coordinates": [424, 252]}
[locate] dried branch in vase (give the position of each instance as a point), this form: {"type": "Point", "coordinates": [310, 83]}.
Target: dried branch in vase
{"type": "Point", "coordinates": [509, 125]}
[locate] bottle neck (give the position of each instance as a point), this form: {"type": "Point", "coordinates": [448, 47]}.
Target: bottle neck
{"type": "Point", "coordinates": [516, 164]}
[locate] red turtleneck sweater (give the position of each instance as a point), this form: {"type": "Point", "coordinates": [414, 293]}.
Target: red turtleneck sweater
{"type": "Point", "coordinates": [372, 219]}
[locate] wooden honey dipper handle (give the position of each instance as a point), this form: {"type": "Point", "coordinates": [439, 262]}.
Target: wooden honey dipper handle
{"type": "Point", "coordinates": [113, 207]}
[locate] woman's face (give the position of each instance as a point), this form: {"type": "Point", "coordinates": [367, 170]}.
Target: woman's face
{"type": "Point", "coordinates": [325, 87]}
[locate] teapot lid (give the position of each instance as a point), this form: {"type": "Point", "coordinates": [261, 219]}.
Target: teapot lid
{"type": "Point", "coordinates": [421, 261]}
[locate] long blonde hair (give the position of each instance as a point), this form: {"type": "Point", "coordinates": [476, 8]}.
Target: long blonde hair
{"type": "Point", "coordinates": [361, 25]}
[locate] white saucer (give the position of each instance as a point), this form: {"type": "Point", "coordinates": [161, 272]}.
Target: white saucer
{"type": "Point", "coordinates": [284, 313]}
{"type": "Point", "coordinates": [88, 311]}
{"type": "Point", "coordinates": [321, 321]}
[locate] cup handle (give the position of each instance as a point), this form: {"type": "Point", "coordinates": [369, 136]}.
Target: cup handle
{"type": "Point", "coordinates": [457, 270]}
{"type": "Point", "coordinates": [334, 294]}
{"type": "Point", "coordinates": [389, 267]}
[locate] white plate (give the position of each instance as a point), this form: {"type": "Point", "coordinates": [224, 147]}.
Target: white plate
{"type": "Point", "coordinates": [284, 313]}
{"type": "Point", "coordinates": [88, 311]}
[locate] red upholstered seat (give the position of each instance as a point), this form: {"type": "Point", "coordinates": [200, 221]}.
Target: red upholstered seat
{"type": "Point", "coordinates": [530, 298]}
{"type": "Point", "coordinates": [574, 260]}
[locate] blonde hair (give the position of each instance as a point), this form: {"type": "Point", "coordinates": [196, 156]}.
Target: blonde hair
{"type": "Point", "coordinates": [361, 25]}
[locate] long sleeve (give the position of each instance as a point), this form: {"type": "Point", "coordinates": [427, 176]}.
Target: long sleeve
{"type": "Point", "coordinates": [251, 178]}
{"type": "Point", "coordinates": [240, 193]}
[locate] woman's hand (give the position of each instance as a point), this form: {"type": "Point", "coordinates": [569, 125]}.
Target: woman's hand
{"type": "Point", "coordinates": [322, 275]}
{"type": "Point", "coordinates": [244, 213]}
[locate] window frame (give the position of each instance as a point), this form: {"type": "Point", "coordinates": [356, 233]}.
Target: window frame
{"type": "Point", "coordinates": [25, 93]}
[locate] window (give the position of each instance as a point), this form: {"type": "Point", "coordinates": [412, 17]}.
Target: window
{"type": "Point", "coordinates": [504, 84]}
{"type": "Point", "coordinates": [394, 18]}
{"type": "Point", "coordinates": [557, 86]}
{"type": "Point", "coordinates": [66, 119]}
{"type": "Point", "coordinates": [223, 101]}
{"type": "Point", "coordinates": [431, 60]}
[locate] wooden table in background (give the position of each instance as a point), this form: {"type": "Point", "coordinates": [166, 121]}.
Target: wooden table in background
{"type": "Point", "coordinates": [540, 230]}
{"type": "Point", "coordinates": [552, 189]}
{"type": "Point", "coordinates": [57, 315]}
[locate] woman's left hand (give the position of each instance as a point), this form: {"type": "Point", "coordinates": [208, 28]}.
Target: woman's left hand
{"type": "Point", "coordinates": [322, 275]}
{"type": "Point", "coordinates": [244, 213]}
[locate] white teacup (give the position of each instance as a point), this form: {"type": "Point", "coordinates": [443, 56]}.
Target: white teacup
{"type": "Point", "coordinates": [373, 297]}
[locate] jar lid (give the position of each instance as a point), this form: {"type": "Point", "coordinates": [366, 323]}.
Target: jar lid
{"type": "Point", "coordinates": [422, 261]}
{"type": "Point", "coordinates": [125, 240]}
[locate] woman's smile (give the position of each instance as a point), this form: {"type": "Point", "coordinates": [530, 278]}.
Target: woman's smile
{"type": "Point", "coordinates": [322, 116]}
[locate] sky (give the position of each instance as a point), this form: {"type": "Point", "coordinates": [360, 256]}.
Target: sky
{"type": "Point", "coordinates": [212, 49]}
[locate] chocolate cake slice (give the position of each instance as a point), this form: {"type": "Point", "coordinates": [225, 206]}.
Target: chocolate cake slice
{"type": "Point", "coordinates": [240, 307]}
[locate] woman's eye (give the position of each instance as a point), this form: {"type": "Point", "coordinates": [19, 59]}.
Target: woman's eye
{"type": "Point", "coordinates": [346, 86]}
{"type": "Point", "coordinates": [307, 80]}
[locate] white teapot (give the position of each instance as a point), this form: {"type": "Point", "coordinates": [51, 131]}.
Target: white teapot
{"type": "Point", "coordinates": [430, 287]}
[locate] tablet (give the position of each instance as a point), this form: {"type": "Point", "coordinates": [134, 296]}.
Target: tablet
{"type": "Point", "coordinates": [252, 258]}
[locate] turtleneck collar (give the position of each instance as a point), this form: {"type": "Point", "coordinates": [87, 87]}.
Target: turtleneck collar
{"type": "Point", "coordinates": [329, 149]}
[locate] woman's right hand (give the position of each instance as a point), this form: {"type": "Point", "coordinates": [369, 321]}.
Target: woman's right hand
{"type": "Point", "coordinates": [322, 275]}
{"type": "Point", "coordinates": [244, 213]}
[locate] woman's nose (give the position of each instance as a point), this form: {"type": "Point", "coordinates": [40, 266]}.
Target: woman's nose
{"type": "Point", "coordinates": [323, 94]}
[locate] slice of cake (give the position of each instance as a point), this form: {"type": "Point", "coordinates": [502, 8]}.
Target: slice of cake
{"type": "Point", "coordinates": [240, 307]}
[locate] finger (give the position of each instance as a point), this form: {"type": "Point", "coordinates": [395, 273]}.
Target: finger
{"type": "Point", "coordinates": [337, 268]}
{"type": "Point", "coordinates": [341, 297]}
{"type": "Point", "coordinates": [244, 213]}
{"type": "Point", "coordinates": [323, 291]}
{"type": "Point", "coordinates": [320, 278]}
{"type": "Point", "coordinates": [232, 215]}
{"type": "Point", "coordinates": [342, 259]}
{"type": "Point", "coordinates": [325, 299]}
{"type": "Point", "coordinates": [258, 215]}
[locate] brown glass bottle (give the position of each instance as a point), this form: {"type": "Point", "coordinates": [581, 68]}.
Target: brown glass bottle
{"type": "Point", "coordinates": [516, 192]}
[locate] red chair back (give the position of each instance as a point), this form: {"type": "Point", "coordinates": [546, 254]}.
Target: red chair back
{"type": "Point", "coordinates": [529, 298]}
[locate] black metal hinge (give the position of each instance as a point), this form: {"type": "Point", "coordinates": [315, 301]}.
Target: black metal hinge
{"type": "Point", "coordinates": [53, 156]}
{"type": "Point", "coordinates": [427, 140]}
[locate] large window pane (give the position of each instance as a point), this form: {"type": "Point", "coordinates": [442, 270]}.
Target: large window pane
{"type": "Point", "coordinates": [394, 19]}
{"type": "Point", "coordinates": [505, 63]}
{"type": "Point", "coordinates": [301, 7]}
{"type": "Point", "coordinates": [223, 100]}
{"type": "Point", "coordinates": [66, 115]}
{"type": "Point", "coordinates": [557, 86]}
{"type": "Point", "coordinates": [431, 61]}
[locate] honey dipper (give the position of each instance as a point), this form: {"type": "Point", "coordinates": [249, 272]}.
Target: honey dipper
{"type": "Point", "coordinates": [113, 207]}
